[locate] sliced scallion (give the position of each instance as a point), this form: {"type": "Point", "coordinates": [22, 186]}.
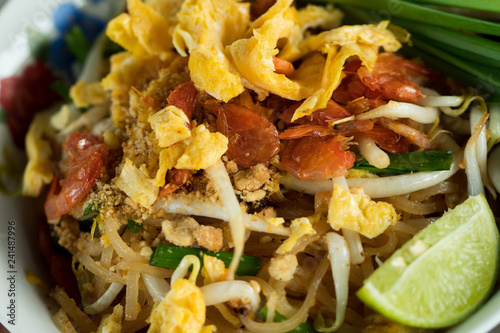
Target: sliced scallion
{"type": "Point", "coordinates": [134, 227]}
{"type": "Point", "coordinates": [77, 43]}
{"type": "Point", "coordinates": [169, 256]}
{"type": "Point", "coordinates": [435, 160]}
{"type": "Point", "coordinates": [62, 89]}
{"type": "Point", "coordinates": [90, 210]}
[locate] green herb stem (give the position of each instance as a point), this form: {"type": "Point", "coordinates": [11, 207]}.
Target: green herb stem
{"type": "Point", "coordinates": [78, 44]}
{"type": "Point", "coordinates": [91, 210]}
{"type": "Point", "coordinates": [469, 58]}
{"type": "Point", "coordinates": [487, 74]}
{"type": "Point", "coordinates": [485, 5]}
{"type": "Point", "coordinates": [134, 227]}
{"type": "Point", "coordinates": [388, 9]}
{"type": "Point", "coordinates": [169, 256]}
{"type": "Point", "coordinates": [462, 42]}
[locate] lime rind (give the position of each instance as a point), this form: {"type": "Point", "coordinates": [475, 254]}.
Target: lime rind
{"type": "Point", "coordinates": [443, 274]}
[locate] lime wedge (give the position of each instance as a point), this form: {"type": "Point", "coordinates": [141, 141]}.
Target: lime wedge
{"type": "Point", "coordinates": [443, 274]}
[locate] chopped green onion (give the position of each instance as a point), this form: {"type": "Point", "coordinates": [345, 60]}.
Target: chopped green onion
{"type": "Point", "coordinates": [78, 43]}
{"type": "Point", "coordinates": [134, 227]}
{"type": "Point", "coordinates": [62, 89]}
{"type": "Point", "coordinates": [435, 160]}
{"type": "Point", "coordinates": [91, 209]}
{"type": "Point", "coordinates": [305, 327]}
{"type": "Point", "coordinates": [486, 5]}
{"type": "Point", "coordinates": [411, 11]}
{"type": "Point", "coordinates": [169, 256]}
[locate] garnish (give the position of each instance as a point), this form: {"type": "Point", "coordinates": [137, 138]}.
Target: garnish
{"type": "Point", "coordinates": [169, 256]}
{"type": "Point", "coordinates": [435, 160]}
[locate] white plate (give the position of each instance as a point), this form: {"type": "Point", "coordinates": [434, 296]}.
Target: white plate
{"type": "Point", "coordinates": [32, 308]}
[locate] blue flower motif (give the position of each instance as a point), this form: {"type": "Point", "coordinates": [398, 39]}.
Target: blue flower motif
{"type": "Point", "coordinates": [66, 16]}
{"type": "Point", "coordinates": [59, 56]}
{"type": "Point", "coordinates": [90, 25]}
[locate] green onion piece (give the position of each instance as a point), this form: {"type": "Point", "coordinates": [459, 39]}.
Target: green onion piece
{"type": "Point", "coordinates": [62, 89]}
{"type": "Point", "coordinates": [487, 74]}
{"type": "Point", "coordinates": [491, 90]}
{"type": "Point", "coordinates": [388, 9]}
{"type": "Point", "coordinates": [475, 48]}
{"type": "Point", "coordinates": [306, 327]}
{"type": "Point", "coordinates": [91, 209]}
{"type": "Point", "coordinates": [486, 5]}
{"type": "Point", "coordinates": [435, 160]}
{"type": "Point", "coordinates": [169, 256]}
{"type": "Point", "coordinates": [474, 74]}
{"type": "Point", "coordinates": [134, 227]}
{"type": "Point", "coordinates": [468, 55]}
{"type": "Point", "coordinates": [77, 43]}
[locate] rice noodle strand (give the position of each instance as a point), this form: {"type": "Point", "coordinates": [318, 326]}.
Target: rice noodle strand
{"type": "Point", "coordinates": [62, 322]}
{"type": "Point", "coordinates": [158, 272]}
{"type": "Point", "coordinates": [68, 304]}
{"type": "Point", "coordinates": [415, 207]}
{"type": "Point", "coordinates": [98, 270]}
{"type": "Point", "coordinates": [384, 249]}
{"type": "Point", "coordinates": [118, 244]}
{"type": "Point", "coordinates": [131, 296]}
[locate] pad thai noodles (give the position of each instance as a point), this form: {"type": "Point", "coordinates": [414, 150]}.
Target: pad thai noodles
{"type": "Point", "coordinates": [245, 166]}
